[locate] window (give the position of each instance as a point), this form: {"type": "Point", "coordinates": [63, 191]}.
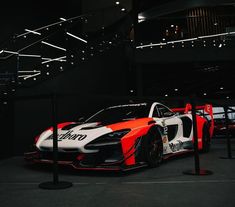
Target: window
{"type": "Point", "coordinates": [164, 111]}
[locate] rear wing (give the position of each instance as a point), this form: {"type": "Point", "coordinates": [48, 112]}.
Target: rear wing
{"type": "Point", "coordinates": [204, 110]}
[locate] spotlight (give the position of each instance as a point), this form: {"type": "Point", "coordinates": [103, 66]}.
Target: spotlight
{"type": "Point", "coordinates": [166, 95]}
{"type": "Point", "coordinates": [117, 2]}
{"type": "Point", "coordinates": [204, 94]}
{"type": "Point", "coordinates": [176, 89]}
{"type": "Point", "coordinates": [47, 73]}
{"type": "Point", "coordinates": [221, 88]}
{"type": "Point", "coordinates": [123, 9]}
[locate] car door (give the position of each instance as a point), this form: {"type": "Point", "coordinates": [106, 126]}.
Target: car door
{"type": "Point", "coordinates": [172, 126]}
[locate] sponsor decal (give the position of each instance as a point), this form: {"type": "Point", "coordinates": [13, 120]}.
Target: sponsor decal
{"type": "Point", "coordinates": [176, 146]}
{"type": "Point", "coordinates": [164, 149]}
{"type": "Point", "coordinates": [69, 136]}
{"type": "Point", "coordinates": [164, 139]}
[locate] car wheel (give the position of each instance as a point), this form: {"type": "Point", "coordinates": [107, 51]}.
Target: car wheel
{"type": "Point", "coordinates": [206, 141]}
{"type": "Point", "coordinates": [153, 148]}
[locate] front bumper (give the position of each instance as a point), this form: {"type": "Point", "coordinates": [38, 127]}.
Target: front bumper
{"type": "Point", "coordinates": [83, 162]}
{"type": "Point", "coordinates": [75, 160]}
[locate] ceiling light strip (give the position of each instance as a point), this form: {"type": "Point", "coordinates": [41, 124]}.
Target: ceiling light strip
{"type": "Point", "coordinates": [10, 52]}
{"type": "Point", "coordinates": [76, 37]}
{"type": "Point", "coordinates": [215, 35]}
{"type": "Point", "coordinates": [51, 45]}
{"type": "Point", "coordinates": [184, 40]}
{"type": "Point", "coordinates": [55, 59]}
{"type": "Point", "coordinates": [31, 76]}
{"type": "Point", "coordinates": [29, 55]}
{"type": "Point", "coordinates": [32, 31]}
{"type": "Point", "coordinates": [29, 71]}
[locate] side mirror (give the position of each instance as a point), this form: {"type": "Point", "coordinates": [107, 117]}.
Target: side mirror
{"type": "Point", "coordinates": [81, 119]}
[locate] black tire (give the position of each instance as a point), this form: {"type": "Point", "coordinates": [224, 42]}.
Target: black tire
{"type": "Point", "coordinates": [206, 140]}
{"type": "Point", "coordinates": [153, 148]}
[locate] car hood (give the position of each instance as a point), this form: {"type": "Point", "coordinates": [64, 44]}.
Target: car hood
{"type": "Point", "coordinates": [76, 137]}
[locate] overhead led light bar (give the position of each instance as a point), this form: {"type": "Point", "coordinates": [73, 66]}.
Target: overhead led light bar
{"type": "Point", "coordinates": [55, 59]}
{"type": "Point", "coordinates": [51, 45]}
{"type": "Point", "coordinates": [29, 55]}
{"type": "Point", "coordinates": [185, 40]}
{"type": "Point", "coordinates": [33, 32]}
{"type": "Point", "coordinates": [63, 19]}
{"type": "Point", "coordinates": [215, 35]}
{"type": "Point", "coordinates": [29, 76]}
{"type": "Point", "coordinates": [9, 52]}
{"type": "Point", "coordinates": [29, 71]}
{"type": "Point", "coordinates": [76, 37]}
{"type": "Point", "coordinates": [151, 45]}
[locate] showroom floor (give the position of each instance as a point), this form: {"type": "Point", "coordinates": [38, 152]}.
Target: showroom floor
{"type": "Point", "coordinates": [163, 186]}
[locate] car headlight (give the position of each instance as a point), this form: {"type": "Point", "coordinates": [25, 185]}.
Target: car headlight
{"type": "Point", "coordinates": [112, 138]}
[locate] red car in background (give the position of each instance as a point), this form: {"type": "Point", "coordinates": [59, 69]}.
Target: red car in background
{"type": "Point", "coordinates": [220, 127]}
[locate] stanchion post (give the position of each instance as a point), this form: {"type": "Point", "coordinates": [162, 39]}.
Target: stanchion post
{"type": "Point", "coordinates": [195, 135]}
{"type": "Point", "coordinates": [55, 184]}
{"type": "Point", "coordinates": [55, 141]}
{"type": "Point", "coordinates": [197, 170]}
{"type": "Point", "coordinates": [229, 151]}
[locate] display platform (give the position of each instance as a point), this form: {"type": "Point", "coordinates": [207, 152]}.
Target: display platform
{"type": "Point", "coordinates": [164, 186]}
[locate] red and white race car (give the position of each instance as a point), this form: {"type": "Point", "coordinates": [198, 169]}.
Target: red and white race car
{"type": "Point", "coordinates": [124, 137]}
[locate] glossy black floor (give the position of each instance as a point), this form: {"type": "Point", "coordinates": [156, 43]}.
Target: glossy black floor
{"type": "Point", "coordinates": [163, 186]}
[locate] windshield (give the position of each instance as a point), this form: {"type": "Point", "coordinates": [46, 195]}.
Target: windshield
{"type": "Point", "coordinates": [120, 113]}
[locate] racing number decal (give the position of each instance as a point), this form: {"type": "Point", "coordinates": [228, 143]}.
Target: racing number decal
{"type": "Point", "coordinates": [165, 130]}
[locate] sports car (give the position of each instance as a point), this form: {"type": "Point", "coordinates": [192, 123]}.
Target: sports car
{"type": "Point", "coordinates": [125, 137]}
